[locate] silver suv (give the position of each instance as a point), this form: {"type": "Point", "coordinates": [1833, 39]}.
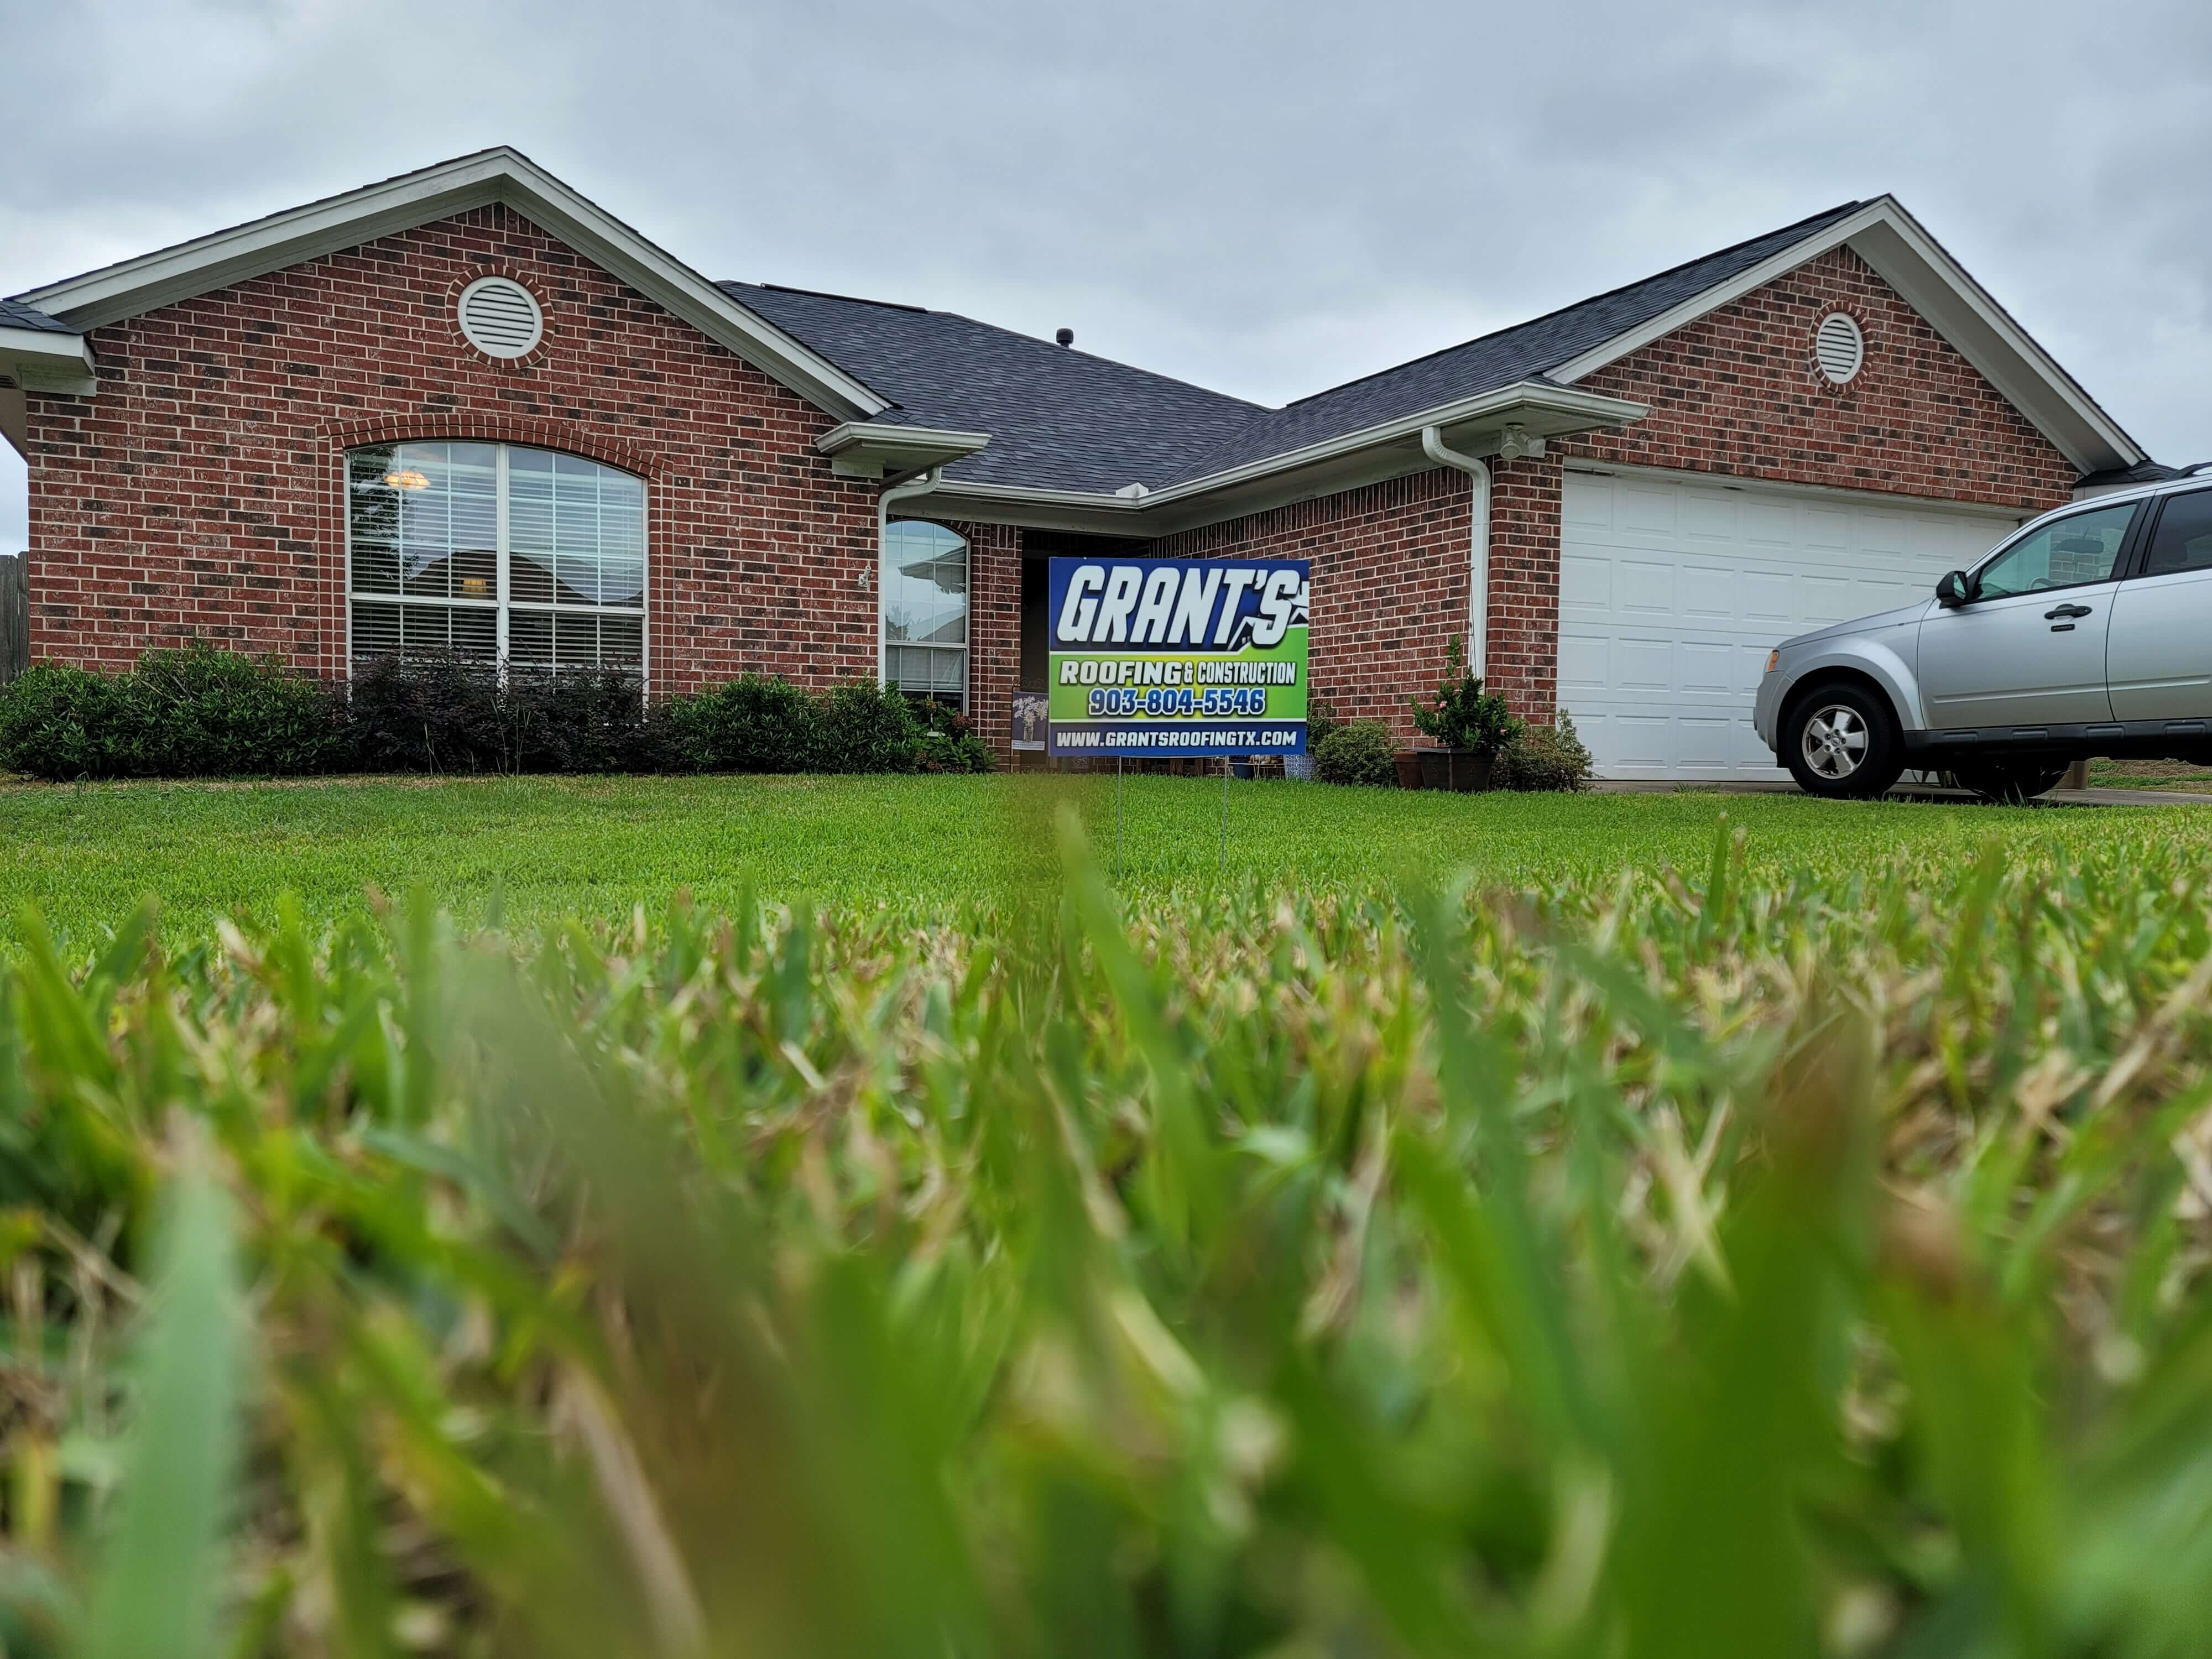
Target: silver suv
{"type": "Point", "coordinates": [2089, 632]}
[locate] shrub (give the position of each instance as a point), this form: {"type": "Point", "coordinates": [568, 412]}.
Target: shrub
{"type": "Point", "coordinates": [865, 728]}
{"type": "Point", "coordinates": [1320, 721]}
{"type": "Point", "coordinates": [1357, 753]}
{"type": "Point", "coordinates": [1464, 715]}
{"type": "Point", "coordinates": [948, 743]}
{"type": "Point", "coordinates": [750, 724]}
{"type": "Point", "coordinates": [433, 713]}
{"type": "Point", "coordinates": [577, 721]}
{"type": "Point", "coordinates": [1546, 758]}
{"type": "Point", "coordinates": [196, 712]}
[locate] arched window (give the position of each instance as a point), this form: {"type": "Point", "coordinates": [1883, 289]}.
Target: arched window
{"type": "Point", "coordinates": [496, 553]}
{"type": "Point", "coordinates": [925, 611]}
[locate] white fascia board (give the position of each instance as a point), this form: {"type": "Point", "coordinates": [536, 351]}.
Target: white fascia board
{"type": "Point", "coordinates": [39, 360]}
{"type": "Point", "coordinates": [1936, 286]}
{"type": "Point", "coordinates": [926, 446]}
{"type": "Point", "coordinates": [1389, 450]}
{"type": "Point", "coordinates": [136, 286]}
{"type": "Point", "coordinates": [1553, 411]}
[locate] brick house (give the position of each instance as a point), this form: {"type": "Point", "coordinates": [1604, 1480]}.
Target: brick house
{"type": "Point", "coordinates": [468, 408]}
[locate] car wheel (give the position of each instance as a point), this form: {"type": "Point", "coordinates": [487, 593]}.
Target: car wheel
{"type": "Point", "coordinates": [1841, 741]}
{"type": "Point", "coordinates": [2010, 782]}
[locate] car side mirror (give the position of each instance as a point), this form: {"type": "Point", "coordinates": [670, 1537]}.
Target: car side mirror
{"type": "Point", "coordinates": [1951, 593]}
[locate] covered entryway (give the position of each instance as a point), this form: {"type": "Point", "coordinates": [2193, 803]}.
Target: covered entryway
{"type": "Point", "coordinates": [1673, 588]}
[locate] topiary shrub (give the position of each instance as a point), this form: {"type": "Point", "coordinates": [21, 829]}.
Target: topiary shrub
{"type": "Point", "coordinates": [1358, 753]}
{"type": "Point", "coordinates": [750, 724]}
{"type": "Point", "coordinates": [1546, 758]}
{"type": "Point", "coordinates": [865, 728]}
{"type": "Point", "coordinates": [196, 712]}
{"type": "Point", "coordinates": [948, 743]}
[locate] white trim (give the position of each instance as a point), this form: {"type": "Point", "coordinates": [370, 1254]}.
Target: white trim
{"type": "Point", "coordinates": [873, 449]}
{"type": "Point", "coordinates": [1834, 493]}
{"type": "Point", "coordinates": [40, 360]}
{"type": "Point", "coordinates": [885, 497]}
{"type": "Point", "coordinates": [500, 175]}
{"type": "Point", "coordinates": [1936, 286]}
{"type": "Point", "coordinates": [1389, 450]}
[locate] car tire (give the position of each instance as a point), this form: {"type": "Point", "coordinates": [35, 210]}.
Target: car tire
{"type": "Point", "coordinates": [1841, 741]}
{"type": "Point", "coordinates": [2010, 783]}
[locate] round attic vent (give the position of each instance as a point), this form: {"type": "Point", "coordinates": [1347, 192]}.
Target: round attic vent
{"type": "Point", "coordinates": [1840, 346]}
{"type": "Point", "coordinates": [500, 318]}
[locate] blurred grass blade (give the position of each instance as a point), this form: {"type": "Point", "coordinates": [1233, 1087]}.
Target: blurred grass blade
{"type": "Point", "coordinates": [161, 1585]}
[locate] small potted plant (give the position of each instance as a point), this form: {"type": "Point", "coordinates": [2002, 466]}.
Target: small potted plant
{"type": "Point", "coordinates": [1469, 725]}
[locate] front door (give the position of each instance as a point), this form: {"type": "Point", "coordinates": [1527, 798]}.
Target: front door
{"type": "Point", "coordinates": [2028, 649]}
{"type": "Point", "coordinates": [2159, 656]}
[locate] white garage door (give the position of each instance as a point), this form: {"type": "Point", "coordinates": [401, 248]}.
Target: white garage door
{"type": "Point", "coordinates": [1673, 589]}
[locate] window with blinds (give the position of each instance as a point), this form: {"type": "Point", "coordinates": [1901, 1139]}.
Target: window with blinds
{"type": "Point", "coordinates": [495, 553]}
{"type": "Point", "coordinates": [925, 611]}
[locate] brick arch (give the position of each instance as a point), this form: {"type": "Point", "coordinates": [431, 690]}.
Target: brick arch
{"type": "Point", "coordinates": [534, 431]}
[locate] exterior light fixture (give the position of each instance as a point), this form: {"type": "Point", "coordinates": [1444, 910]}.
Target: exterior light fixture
{"type": "Point", "coordinates": [407, 478]}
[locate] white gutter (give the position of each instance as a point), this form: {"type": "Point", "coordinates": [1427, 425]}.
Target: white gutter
{"type": "Point", "coordinates": [1478, 558]}
{"type": "Point", "coordinates": [885, 497]}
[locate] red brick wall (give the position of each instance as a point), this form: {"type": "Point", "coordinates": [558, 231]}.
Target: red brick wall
{"type": "Point", "coordinates": [1738, 392]}
{"type": "Point", "coordinates": [200, 493]}
{"type": "Point", "coordinates": [1389, 585]}
{"type": "Point", "coordinates": [994, 630]}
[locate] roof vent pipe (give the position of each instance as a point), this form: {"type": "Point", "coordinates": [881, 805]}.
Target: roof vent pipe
{"type": "Point", "coordinates": [1063, 336]}
{"type": "Point", "coordinates": [1478, 560]}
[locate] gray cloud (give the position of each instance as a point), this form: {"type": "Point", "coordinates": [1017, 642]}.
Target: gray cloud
{"type": "Point", "coordinates": [1263, 198]}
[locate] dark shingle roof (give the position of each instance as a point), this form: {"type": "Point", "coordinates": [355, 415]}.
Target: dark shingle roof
{"type": "Point", "coordinates": [13, 313]}
{"type": "Point", "coordinates": [1063, 419]}
{"type": "Point", "coordinates": [1524, 352]}
{"type": "Point", "coordinates": [1059, 418]}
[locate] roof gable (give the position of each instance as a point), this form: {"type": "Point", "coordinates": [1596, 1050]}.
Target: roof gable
{"type": "Point", "coordinates": [500, 175]}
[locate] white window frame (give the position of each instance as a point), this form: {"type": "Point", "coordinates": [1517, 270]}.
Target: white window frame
{"type": "Point", "coordinates": [885, 645]}
{"type": "Point", "coordinates": [499, 602]}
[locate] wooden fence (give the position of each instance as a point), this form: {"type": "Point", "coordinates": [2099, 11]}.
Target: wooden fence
{"type": "Point", "coordinates": [15, 618]}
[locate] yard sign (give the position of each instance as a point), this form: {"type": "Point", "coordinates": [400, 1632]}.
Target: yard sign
{"type": "Point", "coordinates": [1155, 658]}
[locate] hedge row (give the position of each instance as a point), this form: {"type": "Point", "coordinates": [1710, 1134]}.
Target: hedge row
{"type": "Point", "coordinates": [200, 711]}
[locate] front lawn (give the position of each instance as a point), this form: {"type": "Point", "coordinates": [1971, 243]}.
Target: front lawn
{"type": "Point", "coordinates": [596, 847]}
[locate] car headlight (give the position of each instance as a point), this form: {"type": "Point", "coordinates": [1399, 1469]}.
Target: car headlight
{"type": "Point", "coordinates": [1772, 658]}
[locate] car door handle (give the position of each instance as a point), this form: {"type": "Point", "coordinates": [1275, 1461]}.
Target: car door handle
{"type": "Point", "coordinates": [2066, 611]}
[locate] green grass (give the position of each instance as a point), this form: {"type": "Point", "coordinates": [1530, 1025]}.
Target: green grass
{"type": "Point", "coordinates": [1725, 1264]}
{"type": "Point", "coordinates": [2150, 774]}
{"type": "Point", "coordinates": [86, 855]}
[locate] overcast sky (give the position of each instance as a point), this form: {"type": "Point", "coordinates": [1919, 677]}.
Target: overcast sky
{"type": "Point", "coordinates": [1264, 198]}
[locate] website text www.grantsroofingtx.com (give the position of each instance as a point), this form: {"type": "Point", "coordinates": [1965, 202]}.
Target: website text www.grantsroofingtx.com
{"type": "Point", "coordinates": [1252, 737]}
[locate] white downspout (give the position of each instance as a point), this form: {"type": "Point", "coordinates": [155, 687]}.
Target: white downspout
{"type": "Point", "coordinates": [1478, 561]}
{"type": "Point", "coordinates": [885, 497]}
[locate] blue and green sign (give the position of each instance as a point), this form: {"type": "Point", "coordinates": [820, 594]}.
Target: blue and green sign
{"type": "Point", "coordinates": [1161, 658]}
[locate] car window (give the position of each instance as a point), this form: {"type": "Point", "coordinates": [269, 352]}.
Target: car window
{"type": "Point", "coordinates": [2183, 541]}
{"type": "Point", "coordinates": [2080, 548]}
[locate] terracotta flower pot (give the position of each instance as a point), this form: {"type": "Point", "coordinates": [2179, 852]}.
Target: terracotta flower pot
{"type": "Point", "coordinates": [1455, 768]}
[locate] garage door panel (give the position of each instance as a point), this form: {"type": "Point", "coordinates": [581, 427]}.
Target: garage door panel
{"type": "Point", "coordinates": [1585, 581]}
{"type": "Point", "coordinates": [1710, 590]}
{"type": "Point", "coordinates": [1642, 663]}
{"type": "Point", "coordinates": [1672, 593]}
{"type": "Point", "coordinates": [1708, 513]}
{"type": "Point", "coordinates": [1637, 507]}
{"type": "Point", "coordinates": [1705, 668]}
{"type": "Point", "coordinates": [1768, 596]}
{"type": "Point", "coordinates": [1646, 587]}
